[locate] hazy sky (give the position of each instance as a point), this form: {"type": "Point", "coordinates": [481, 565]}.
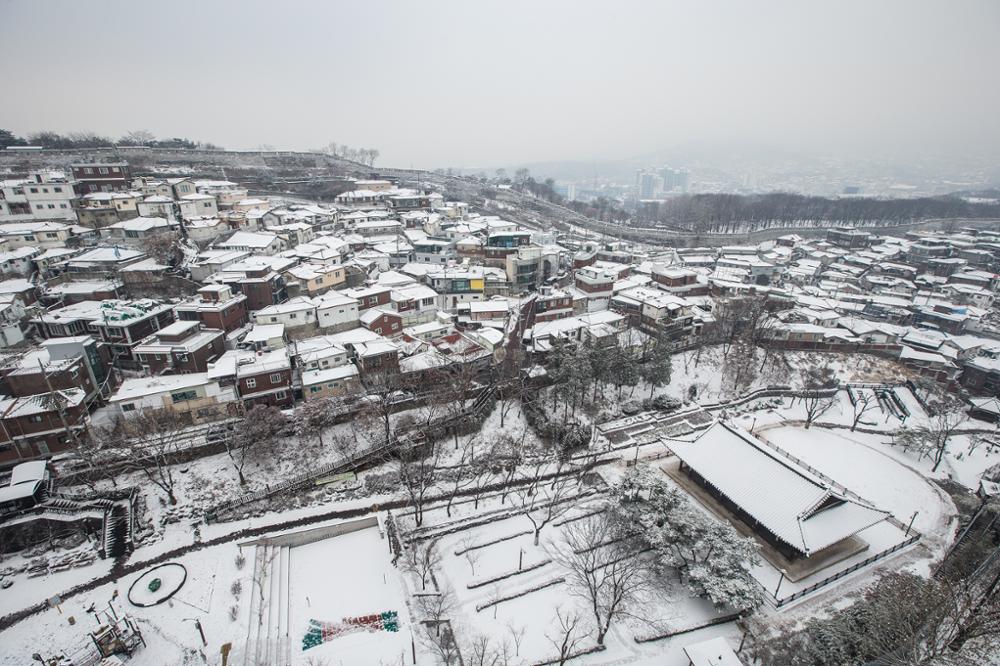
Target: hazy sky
{"type": "Point", "coordinates": [476, 82]}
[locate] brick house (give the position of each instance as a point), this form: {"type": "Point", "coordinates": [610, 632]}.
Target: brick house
{"type": "Point", "coordinates": [125, 324]}
{"type": "Point", "coordinates": [111, 177]}
{"type": "Point", "coordinates": [262, 377]}
{"type": "Point", "coordinates": [377, 357]}
{"type": "Point", "coordinates": [370, 297]}
{"type": "Point", "coordinates": [181, 347]}
{"type": "Point", "coordinates": [216, 307]}
{"type": "Point", "coordinates": [33, 427]}
{"type": "Point", "coordinates": [382, 322]}
{"type": "Point", "coordinates": [61, 363]}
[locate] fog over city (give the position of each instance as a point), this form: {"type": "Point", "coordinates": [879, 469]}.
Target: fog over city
{"type": "Point", "coordinates": [486, 84]}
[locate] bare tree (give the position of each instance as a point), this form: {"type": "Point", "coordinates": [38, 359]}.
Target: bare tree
{"type": "Point", "coordinates": [931, 438]}
{"type": "Point", "coordinates": [462, 475]}
{"type": "Point", "coordinates": [435, 610]}
{"type": "Point", "coordinates": [863, 403]}
{"type": "Point", "coordinates": [422, 559]}
{"type": "Point", "coordinates": [418, 472]}
{"type": "Point", "coordinates": [516, 636]}
{"type": "Point", "coordinates": [380, 401]}
{"type": "Point", "coordinates": [149, 442]}
{"type": "Point", "coordinates": [483, 474]}
{"type": "Point", "coordinates": [567, 635]}
{"type": "Point", "coordinates": [607, 573]}
{"type": "Point", "coordinates": [543, 502]}
{"type": "Point", "coordinates": [817, 384]}
{"type": "Point", "coordinates": [508, 379]}
{"type": "Point", "coordinates": [163, 247]}
{"type": "Point", "coordinates": [254, 435]}
{"type": "Point", "coordinates": [138, 138]}
{"type": "Point", "coordinates": [487, 651]}
{"type": "Point", "coordinates": [455, 384]}
{"type": "Point", "coordinates": [313, 417]}
{"type": "Point", "coordinates": [507, 456]}
{"type": "Point", "coordinates": [471, 556]}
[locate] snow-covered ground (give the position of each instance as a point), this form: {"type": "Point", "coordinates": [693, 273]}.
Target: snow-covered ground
{"type": "Point", "coordinates": [350, 575]}
{"type": "Point", "coordinates": [534, 615]}
{"type": "Point", "coordinates": [353, 575]}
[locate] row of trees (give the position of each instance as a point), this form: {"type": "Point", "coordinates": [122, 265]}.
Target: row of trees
{"type": "Point", "coordinates": [71, 140]}
{"type": "Point", "coordinates": [741, 213]}
{"type": "Point", "coordinates": [365, 156]}
{"type": "Point", "coordinates": [581, 374]}
{"type": "Point", "coordinates": [903, 620]}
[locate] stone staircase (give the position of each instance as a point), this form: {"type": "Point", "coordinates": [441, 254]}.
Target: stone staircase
{"type": "Point", "coordinates": [268, 642]}
{"type": "Point", "coordinates": [115, 540]}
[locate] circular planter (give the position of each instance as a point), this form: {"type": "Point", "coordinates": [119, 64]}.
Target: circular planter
{"type": "Point", "coordinates": [157, 585]}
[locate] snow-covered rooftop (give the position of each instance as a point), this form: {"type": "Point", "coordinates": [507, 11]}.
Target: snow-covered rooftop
{"type": "Point", "coordinates": [791, 503]}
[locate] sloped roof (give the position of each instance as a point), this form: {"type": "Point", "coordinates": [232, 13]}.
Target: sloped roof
{"type": "Point", "coordinates": [794, 505]}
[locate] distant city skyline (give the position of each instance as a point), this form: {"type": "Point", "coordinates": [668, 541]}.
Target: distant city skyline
{"type": "Point", "coordinates": [489, 83]}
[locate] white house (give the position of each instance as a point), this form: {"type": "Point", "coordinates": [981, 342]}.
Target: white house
{"type": "Point", "coordinates": [18, 260]}
{"type": "Point", "coordinates": [205, 229]}
{"type": "Point", "coordinates": [253, 242]}
{"type": "Point", "coordinates": [156, 206]}
{"type": "Point", "coordinates": [198, 205]}
{"type": "Point", "coordinates": [43, 195]}
{"type": "Point", "coordinates": [298, 311]}
{"type": "Point", "coordinates": [336, 311]}
{"type": "Point", "coordinates": [194, 393]}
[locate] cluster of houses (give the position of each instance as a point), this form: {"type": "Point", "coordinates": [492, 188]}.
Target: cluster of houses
{"type": "Point", "coordinates": [274, 302]}
{"type": "Point", "coordinates": [268, 302]}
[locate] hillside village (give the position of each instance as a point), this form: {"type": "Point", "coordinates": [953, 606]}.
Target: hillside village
{"type": "Point", "coordinates": [391, 426]}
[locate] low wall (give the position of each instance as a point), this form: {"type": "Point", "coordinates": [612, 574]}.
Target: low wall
{"type": "Point", "coordinates": [313, 534]}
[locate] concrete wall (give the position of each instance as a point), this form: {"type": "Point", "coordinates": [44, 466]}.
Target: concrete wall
{"type": "Point", "coordinates": [313, 534]}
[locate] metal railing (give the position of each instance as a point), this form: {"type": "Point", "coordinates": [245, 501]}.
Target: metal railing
{"type": "Point", "coordinates": [846, 572]}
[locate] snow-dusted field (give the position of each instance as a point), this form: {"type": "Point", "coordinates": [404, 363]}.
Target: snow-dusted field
{"type": "Point", "coordinates": [352, 575]}
{"type": "Point", "coordinates": [349, 575]}
{"type": "Point", "coordinates": [534, 615]}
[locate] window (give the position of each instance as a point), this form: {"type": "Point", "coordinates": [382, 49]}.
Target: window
{"type": "Point", "coordinates": [104, 171]}
{"type": "Point", "coordinates": [51, 206]}
{"type": "Point", "coordinates": [395, 326]}
{"type": "Point", "coordinates": [35, 418]}
{"type": "Point", "coordinates": [280, 395]}
{"type": "Point", "coordinates": [62, 205]}
{"type": "Point", "coordinates": [251, 383]}
{"type": "Point", "coordinates": [33, 190]}
{"type": "Point", "coordinates": [57, 189]}
{"type": "Point", "coordinates": [88, 170]}
{"type": "Point", "coordinates": [315, 389]}
{"type": "Point", "coordinates": [293, 316]}
{"type": "Point", "coordinates": [276, 378]}
{"type": "Point", "coordinates": [379, 331]}
{"type": "Point", "coordinates": [182, 396]}
{"type": "Point", "coordinates": [128, 407]}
